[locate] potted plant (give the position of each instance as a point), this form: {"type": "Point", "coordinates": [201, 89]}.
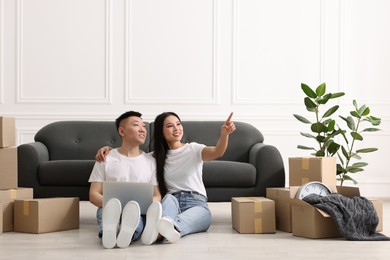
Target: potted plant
{"type": "Point", "coordinates": [325, 129]}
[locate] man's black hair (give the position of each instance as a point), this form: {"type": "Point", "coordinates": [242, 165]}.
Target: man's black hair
{"type": "Point", "coordinates": [125, 116]}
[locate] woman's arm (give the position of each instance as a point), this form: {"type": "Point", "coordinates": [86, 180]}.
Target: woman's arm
{"type": "Point", "coordinates": [214, 152]}
{"type": "Point", "coordinates": [102, 152]}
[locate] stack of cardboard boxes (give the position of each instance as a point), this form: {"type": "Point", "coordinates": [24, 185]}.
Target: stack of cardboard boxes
{"type": "Point", "coordinates": [301, 218]}
{"type": "Point", "coordinates": [282, 211]}
{"type": "Point", "coordinates": [18, 210]}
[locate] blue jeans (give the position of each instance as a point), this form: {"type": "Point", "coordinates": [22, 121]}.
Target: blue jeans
{"type": "Point", "coordinates": [189, 212]}
{"type": "Point", "coordinates": [138, 230]}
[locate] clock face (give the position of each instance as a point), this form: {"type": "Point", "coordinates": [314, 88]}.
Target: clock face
{"type": "Point", "coordinates": [313, 187]}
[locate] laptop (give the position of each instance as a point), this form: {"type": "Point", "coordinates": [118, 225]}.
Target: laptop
{"type": "Point", "coordinates": [127, 191]}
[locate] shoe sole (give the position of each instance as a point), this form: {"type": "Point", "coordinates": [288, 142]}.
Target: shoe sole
{"type": "Point", "coordinates": [167, 230]}
{"type": "Point", "coordinates": [111, 216]}
{"type": "Point", "coordinates": [153, 215]}
{"type": "Point", "coordinates": [130, 219]}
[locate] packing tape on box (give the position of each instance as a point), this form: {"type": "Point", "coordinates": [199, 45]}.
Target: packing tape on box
{"type": "Point", "coordinates": [13, 194]}
{"type": "Point", "coordinates": [26, 208]}
{"type": "Point", "coordinates": [305, 163]}
{"type": "Point", "coordinates": [304, 180]}
{"type": "Point", "coordinates": [258, 222]}
{"type": "Point", "coordinates": [258, 225]}
{"type": "Point", "coordinates": [305, 166]}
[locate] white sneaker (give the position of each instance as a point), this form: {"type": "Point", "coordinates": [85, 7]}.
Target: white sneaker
{"type": "Point", "coordinates": [153, 216]}
{"type": "Point", "coordinates": [167, 230]}
{"type": "Point", "coordinates": [111, 215]}
{"type": "Point", "coordinates": [130, 218]}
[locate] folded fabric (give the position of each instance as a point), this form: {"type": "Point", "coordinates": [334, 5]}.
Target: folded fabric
{"type": "Point", "coordinates": [355, 218]}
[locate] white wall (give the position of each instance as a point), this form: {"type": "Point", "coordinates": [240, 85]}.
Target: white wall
{"type": "Point", "coordinates": [94, 59]}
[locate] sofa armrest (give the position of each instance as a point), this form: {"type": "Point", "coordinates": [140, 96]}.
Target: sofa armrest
{"type": "Point", "coordinates": [29, 157]}
{"type": "Point", "coordinates": [269, 167]}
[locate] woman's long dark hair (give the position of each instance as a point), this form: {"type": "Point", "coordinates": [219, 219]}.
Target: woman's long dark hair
{"type": "Point", "coordinates": [160, 149]}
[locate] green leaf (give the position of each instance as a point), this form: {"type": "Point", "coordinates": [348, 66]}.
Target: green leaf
{"type": "Point", "coordinates": [374, 120]}
{"type": "Point", "coordinates": [333, 148]}
{"type": "Point", "coordinates": [337, 95]}
{"type": "Point", "coordinates": [308, 135]}
{"type": "Point", "coordinates": [331, 125]}
{"type": "Point", "coordinates": [349, 178]}
{"type": "Point", "coordinates": [355, 104]}
{"type": "Point", "coordinates": [305, 147]}
{"type": "Point", "coordinates": [308, 91]}
{"type": "Point", "coordinates": [356, 156]}
{"type": "Point", "coordinates": [345, 153]}
{"type": "Point", "coordinates": [359, 164]}
{"type": "Point", "coordinates": [321, 89]}
{"type": "Point", "coordinates": [372, 129]}
{"type": "Point", "coordinates": [324, 99]}
{"type": "Point", "coordinates": [350, 122]}
{"type": "Point", "coordinates": [320, 153]}
{"type": "Point", "coordinates": [310, 105]}
{"type": "Point", "coordinates": [341, 159]}
{"type": "Point", "coordinates": [319, 128]}
{"type": "Point", "coordinates": [330, 111]}
{"type": "Point", "coordinates": [302, 119]}
{"type": "Point", "coordinates": [354, 169]}
{"type": "Point", "coordinates": [356, 136]}
{"type": "Point", "coordinates": [340, 169]}
{"type": "Point", "coordinates": [367, 150]}
{"type": "Point", "coordinates": [365, 111]}
{"type": "Point", "coordinates": [344, 136]}
{"type": "Point", "coordinates": [320, 138]}
{"type": "Point", "coordinates": [355, 114]}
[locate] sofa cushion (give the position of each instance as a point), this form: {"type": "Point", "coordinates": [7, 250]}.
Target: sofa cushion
{"type": "Point", "coordinates": [228, 174]}
{"type": "Point", "coordinates": [65, 172]}
{"type": "Point", "coordinates": [80, 140]}
{"type": "Point", "coordinates": [208, 133]}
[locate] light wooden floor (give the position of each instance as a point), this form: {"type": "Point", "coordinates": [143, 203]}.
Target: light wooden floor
{"type": "Point", "coordinates": [220, 242]}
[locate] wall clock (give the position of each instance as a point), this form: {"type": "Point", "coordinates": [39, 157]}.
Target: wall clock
{"type": "Point", "coordinates": [313, 187]}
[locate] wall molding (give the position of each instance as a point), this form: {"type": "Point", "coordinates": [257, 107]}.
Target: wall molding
{"type": "Point", "coordinates": [1, 53]}
{"type": "Point", "coordinates": [236, 100]}
{"type": "Point", "coordinates": [22, 99]}
{"type": "Point", "coordinates": [345, 6]}
{"type": "Point", "coordinates": [214, 100]}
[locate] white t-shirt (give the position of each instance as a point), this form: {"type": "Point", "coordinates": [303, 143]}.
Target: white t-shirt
{"type": "Point", "coordinates": [183, 169]}
{"type": "Point", "coordinates": [118, 167]}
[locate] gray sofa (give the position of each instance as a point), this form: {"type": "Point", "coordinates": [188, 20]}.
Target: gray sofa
{"type": "Point", "coordinates": [61, 159]}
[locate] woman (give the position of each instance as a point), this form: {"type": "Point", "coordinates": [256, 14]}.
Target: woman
{"type": "Point", "coordinates": [179, 175]}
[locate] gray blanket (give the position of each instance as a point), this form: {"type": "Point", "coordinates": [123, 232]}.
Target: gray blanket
{"type": "Point", "coordinates": [356, 218]}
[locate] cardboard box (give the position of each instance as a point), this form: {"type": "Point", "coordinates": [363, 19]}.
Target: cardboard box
{"type": "Point", "coordinates": [7, 198]}
{"type": "Point", "coordinates": [306, 169]}
{"type": "Point", "coordinates": [14, 194]}
{"type": "Point", "coordinates": [7, 132]}
{"type": "Point", "coordinates": [46, 215]}
{"type": "Point", "coordinates": [253, 215]}
{"type": "Point", "coordinates": [1, 218]}
{"type": "Point", "coordinates": [311, 222]}
{"type": "Point", "coordinates": [8, 168]}
{"type": "Point", "coordinates": [282, 198]}
{"type": "Point", "coordinates": [378, 205]}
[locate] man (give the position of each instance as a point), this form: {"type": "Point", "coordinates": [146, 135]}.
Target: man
{"type": "Point", "coordinates": [127, 163]}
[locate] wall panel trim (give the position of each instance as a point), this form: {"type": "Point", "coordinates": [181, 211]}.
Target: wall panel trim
{"type": "Point", "coordinates": [1, 52]}
{"type": "Point", "coordinates": [214, 100]}
{"type": "Point", "coordinates": [22, 99]}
